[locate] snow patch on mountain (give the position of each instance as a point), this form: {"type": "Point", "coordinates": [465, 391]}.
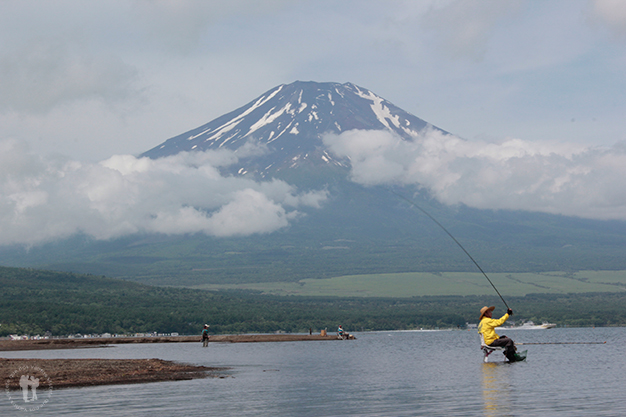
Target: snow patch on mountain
{"type": "Point", "coordinates": [380, 110]}
{"type": "Point", "coordinates": [268, 118]}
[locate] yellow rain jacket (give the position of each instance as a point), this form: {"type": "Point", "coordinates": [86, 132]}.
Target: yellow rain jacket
{"type": "Point", "coordinates": [487, 328]}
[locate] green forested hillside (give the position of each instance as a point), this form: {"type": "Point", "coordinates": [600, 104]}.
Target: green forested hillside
{"type": "Point", "coordinates": [33, 302]}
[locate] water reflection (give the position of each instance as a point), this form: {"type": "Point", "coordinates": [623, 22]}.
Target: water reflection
{"type": "Point", "coordinates": [496, 389]}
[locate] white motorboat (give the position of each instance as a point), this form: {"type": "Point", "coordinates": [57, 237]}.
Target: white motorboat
{"type": "Point", "coordinates": [529, 325]}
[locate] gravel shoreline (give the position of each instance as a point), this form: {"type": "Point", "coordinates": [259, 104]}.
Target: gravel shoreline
{"type": "Point", "coordinates": [13, 345]}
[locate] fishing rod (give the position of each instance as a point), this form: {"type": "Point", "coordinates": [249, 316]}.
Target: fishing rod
{"type": "Point", "coordinates": [563, 343]}
{"type": "Point", "coordinates": [453, 238]}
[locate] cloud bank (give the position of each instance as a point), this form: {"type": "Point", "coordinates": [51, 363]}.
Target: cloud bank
{"type": "Point", "coordinates": [42, 200]}
{"type": "Point", "coordinates": [557, 178]}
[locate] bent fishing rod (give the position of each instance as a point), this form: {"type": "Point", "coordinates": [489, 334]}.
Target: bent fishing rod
{"type": "Point", "coordinates": [453, 238]}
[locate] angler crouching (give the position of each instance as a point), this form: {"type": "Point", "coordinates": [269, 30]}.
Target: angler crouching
{"type": "Point", "coordinates": [487, 327]}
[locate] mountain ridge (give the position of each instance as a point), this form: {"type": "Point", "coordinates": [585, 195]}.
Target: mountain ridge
{"type": "Point", "coordinates": [290, 120]}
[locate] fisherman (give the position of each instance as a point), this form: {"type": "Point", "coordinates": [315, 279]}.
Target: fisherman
{"type": "Point", "coordinates": [487, 327]}
{"type": "Point", "coordinates": [205, 336]}
{"type": "Point", "coordinates": [340, 332]}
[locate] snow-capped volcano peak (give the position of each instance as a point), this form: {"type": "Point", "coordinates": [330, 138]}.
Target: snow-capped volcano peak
{"type": "Point", "coordinates": [290, 120]}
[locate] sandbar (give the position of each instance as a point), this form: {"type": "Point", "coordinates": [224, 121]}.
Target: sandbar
{"type": "Point", "coordinates": [65, 373]}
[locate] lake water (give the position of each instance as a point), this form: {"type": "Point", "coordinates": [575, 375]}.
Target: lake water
{"type": "Point", "coordinates": [438, 373]}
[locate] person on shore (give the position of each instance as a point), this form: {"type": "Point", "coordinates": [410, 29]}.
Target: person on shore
{"type": "Point", "coordinates": [487, 326]}
{"type": "Point", "coordinates": [205, 336]}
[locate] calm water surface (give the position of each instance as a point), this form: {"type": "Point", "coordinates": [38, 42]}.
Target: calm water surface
{"type": "Point", "coordinates": [379, 374]}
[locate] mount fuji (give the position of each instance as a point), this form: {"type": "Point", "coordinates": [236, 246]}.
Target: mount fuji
{"type": "Point", "coordinates": [289, 121]}
{"type": "Point", "coordinates": [358, 229]}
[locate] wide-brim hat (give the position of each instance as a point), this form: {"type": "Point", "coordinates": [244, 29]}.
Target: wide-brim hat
{"type": "Point", "coordinates": [484, 310]}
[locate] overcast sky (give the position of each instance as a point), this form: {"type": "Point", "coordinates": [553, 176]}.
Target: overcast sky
{"type": "Point", "coordinates": [86, 85]}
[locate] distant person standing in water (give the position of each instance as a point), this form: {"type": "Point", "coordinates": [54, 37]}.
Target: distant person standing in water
{"type": "Point", "coordinates": [205, 336]}
{"type": "Point", "coordinates": [487, 326]}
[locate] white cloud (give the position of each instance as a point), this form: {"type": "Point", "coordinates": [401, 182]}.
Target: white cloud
{"type": "Point", "coordinates": [249, 212]}
{"type": "Point", "coordinates": [464, 27]}
{"type": "Point", "coordinates": [514, 174]}
{"type": "Point", "coordinates": [42, 201]}
{"type": "Point", "coordinates": [57, 54]}
{"type": "Point", "coordinates": [613, 12]}
{"type": "Point", "coordinates": [41, 74]}
{"type": "Point", "coordinates": [180, 25]}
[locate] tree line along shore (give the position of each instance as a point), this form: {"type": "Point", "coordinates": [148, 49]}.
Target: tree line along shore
{"type": "Point", "coordinates": [34, 302]}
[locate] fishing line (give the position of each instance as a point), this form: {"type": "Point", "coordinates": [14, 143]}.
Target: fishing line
{"type": "Point", "coordinates": [453, 238]}
{"type": "Point", "coordinates": [564, 343]}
